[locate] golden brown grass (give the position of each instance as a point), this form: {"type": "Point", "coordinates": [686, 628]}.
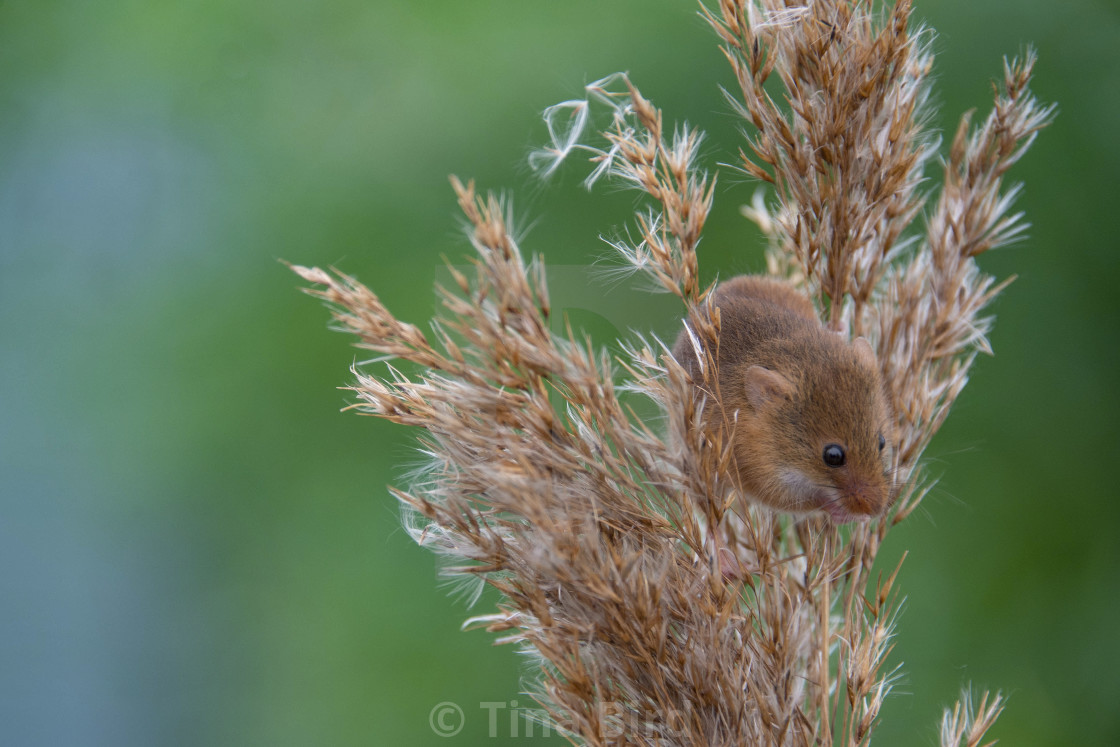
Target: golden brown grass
{"type": "Point", "coordinates": [611, 541]}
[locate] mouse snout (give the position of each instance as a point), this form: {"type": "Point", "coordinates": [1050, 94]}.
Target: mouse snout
{"type": "Point", "coordinates": [863, 497]}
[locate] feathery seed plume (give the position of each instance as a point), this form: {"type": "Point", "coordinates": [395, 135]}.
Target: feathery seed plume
{"type": "Point", "coordinates": [660, 606]}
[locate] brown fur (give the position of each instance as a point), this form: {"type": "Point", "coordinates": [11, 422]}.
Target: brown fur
{"type": "Point", "coordinates": [787, 388]}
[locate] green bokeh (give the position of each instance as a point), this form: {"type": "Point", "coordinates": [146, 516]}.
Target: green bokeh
{"type": "Point", "coordinates": [198, 548]}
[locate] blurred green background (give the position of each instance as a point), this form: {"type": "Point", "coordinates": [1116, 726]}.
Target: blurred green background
{"type": "Point", "coordinates": [197, 547]}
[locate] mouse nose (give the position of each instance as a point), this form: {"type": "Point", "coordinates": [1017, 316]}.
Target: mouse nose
{"type": "Point", "coordinates": [863, 497]}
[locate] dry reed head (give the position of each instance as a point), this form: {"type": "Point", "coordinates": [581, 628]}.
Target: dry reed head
{"type": "Point", "coordinates": [660, 608]}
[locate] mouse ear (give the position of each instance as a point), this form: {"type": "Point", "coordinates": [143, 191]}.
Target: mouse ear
{"type": "Point", "coordinates": [864, 352]}
{"type": "Point", "coordinates": [765, 386]}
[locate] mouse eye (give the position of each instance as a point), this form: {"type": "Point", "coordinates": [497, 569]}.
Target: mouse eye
{"type": "Point", "coordinates": [882, 442]}
{"type": "Point", "coordinates": [833, 455]}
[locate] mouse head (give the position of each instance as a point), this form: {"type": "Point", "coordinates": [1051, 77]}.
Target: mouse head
{"type": "Point", "coordinates": [824, 435]}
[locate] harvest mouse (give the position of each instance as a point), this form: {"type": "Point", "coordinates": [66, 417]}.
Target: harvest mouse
{"type": "Point", "coordinates": [805, 408]}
